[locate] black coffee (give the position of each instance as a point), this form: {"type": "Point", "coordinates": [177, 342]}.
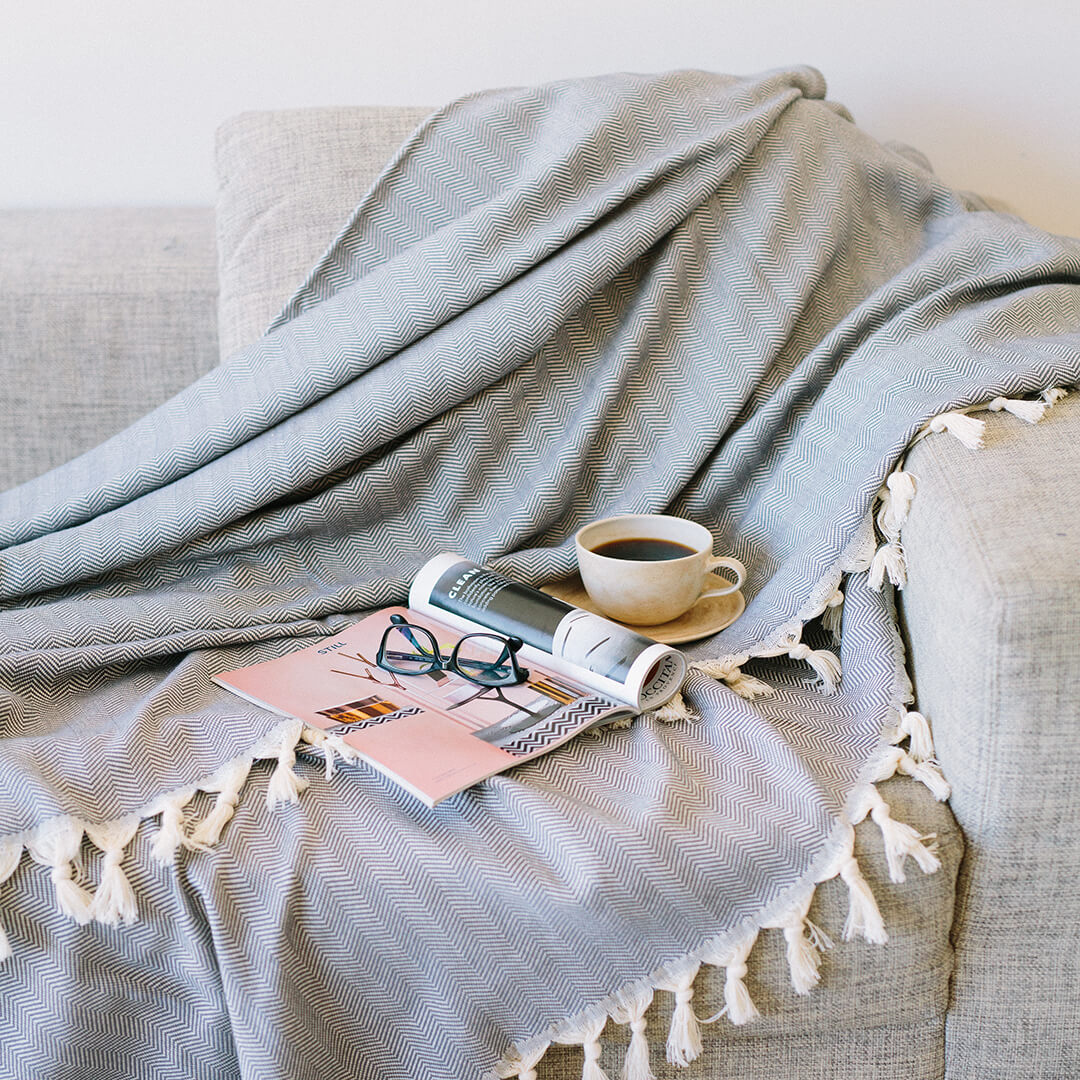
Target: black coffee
{"type": "Point", "coordinates": [643, 549]}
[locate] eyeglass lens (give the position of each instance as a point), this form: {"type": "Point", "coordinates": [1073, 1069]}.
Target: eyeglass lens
{"type": "Point", "coordinates": [410, 650]}
{"type": "Point", "coordinates": [485, 659]}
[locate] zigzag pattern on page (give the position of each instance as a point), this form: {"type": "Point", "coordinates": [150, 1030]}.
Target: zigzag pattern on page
{"type": "Point", "coordinates": [556, 727]}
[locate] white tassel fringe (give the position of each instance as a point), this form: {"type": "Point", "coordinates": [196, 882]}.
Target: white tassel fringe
{"type": "Point", "coordinates": [825, 663]}
{"type": "Point", "coordinates": [739, 1007]}
{"type": "Point", "coordinates": [901, 488]}
{"type": "Point", "coordinates": [684, 1037]}
{"type": "Point", "coordinates": [901, 840]}
{"type": "Point", "coordinates": [285, 784]}
{"type": "Point", "coordinates": [966, 428]}
{"type": "Point", "coordinates": [893, 759]}
{"type": "Point", "coordinates": [56, 844]}
{"type": "Point", "coordinates": [920, 742]}
{"type": "Point", "coordinates": [1029, 411]}
{"type": "Point", "coordinates": [889, 561]}
{"type": "Point", "coordinates": [630, 1008]}
{"type": "Point", "coordinates": [673, 710]}
{"type": "Point", "coordinates": [864, 916]}
{"type": "Point", "coordinates": [317, 737]}
{"type": "Point", "coordinates": [729, 669]}
{"type": "Point", "coordinates": [228, 783]}
{"type": "Point", "coordinates": [10, 856]}
{"type": "Point", "coordinates": [170, 836]}
{"type": "Point", "coordinates": [587, 1035]}
{"type": "Point", "coordinates": [803, 958]}
{"type": "Point", "coordinates": [114, 900]}
{"type": "Point", "coordinates": [522, 1066]}
{"type": "Point", "coordinates": [802, 951]}
{"type": "Point", "coordinates": [928, 773]}
{"type": "Point", "coordinates": [833, 616]}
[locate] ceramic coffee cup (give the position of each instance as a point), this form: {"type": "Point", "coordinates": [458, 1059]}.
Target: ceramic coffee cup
{"type": "Point", "coordinates": [647, 569]}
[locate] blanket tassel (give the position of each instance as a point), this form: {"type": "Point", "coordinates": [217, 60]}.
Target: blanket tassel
{"type": "Point", "coordinates": [913, 726]}
{"type": "Point", "coordinates": [739, 1007]}
{"type": "Point", "coordinates": [895, 759]}
{"type": "Point", "coordinates": [833, 615]}
{"type": "Point", "coordinates": [824, 663]}
{"type": "Point", "coordinates": [587, 1036]}
{"type": "Point", "coordinates": [56, 845]}
{"type": "Point", "coordinates": [729, 670]}
{"type": "Point", "coordinates": [10, 855]}
{"type": "Point", "coordinates": [864, 916]}
{"type": "Point", "coordinates": [522, 1066]}
{"type": "Point", "coordinates": [889, 562]}
{"type": "Point", "coordinates": [901, 840]}
{"type": "Point", "coordinates": [228, 784]}
{"type": "Point", "coordinates": [170, 835]}
{"type": "Point", "coordinates": [285, 785]}
{"type": "Point", "coordinates": [332, 747]}
{"type": "Point", "coordinates": [684, 1037]}
{"type": "Point", "coordinates": [804, 942]}
{"type": "Point", "coordinates": [928, 773]}
{"type": "Point", "coordinates": [898, 495]}
{"type": "Point", "coordinates": [630, 1009]}
{"type": "Point", "coordinates": [674, 710]}
{"type": "Point", "coordinates": [1029, 411]}
{"type": "Point", "coordinates": [114, 900]}
{"type": "Point", "coordinates": [316, 737]}
{"type": "Point", "coordinates": [966, 428]}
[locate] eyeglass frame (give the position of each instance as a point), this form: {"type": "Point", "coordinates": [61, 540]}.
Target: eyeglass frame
{"type": "Point", "coordinates": [438, 662]}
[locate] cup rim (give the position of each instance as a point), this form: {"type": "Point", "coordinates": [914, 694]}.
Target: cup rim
{"type": "Point", "coordinates": [705, 548]}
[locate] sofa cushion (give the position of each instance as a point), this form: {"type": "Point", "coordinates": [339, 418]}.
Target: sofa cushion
{"type": "Point", "coordinates": [104, 314]}
{"type": "Point", "coordinates": [286, 184]}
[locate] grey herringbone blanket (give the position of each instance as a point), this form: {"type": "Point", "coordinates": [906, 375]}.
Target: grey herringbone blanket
{"type": "Point", "coordinates": [688, 293]}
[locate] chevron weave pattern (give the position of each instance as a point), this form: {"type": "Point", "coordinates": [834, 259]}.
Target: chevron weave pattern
{"type": "Point", "coordinates": [688, 293]}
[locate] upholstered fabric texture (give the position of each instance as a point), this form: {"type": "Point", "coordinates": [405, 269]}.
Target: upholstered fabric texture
{"type": "Point", "coordinates": [993, 546]}
{"type": "Point", "coordinates": [287, 181]}
{"type": "Point", "coordinates": [103, 315]}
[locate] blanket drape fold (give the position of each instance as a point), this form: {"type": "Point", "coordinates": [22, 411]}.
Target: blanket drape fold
{"type": "Point", "coordinates": [686, 293]}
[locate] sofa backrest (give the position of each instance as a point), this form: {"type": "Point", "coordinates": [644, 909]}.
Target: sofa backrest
{"type": "Point", "coordinates": [104, 314]}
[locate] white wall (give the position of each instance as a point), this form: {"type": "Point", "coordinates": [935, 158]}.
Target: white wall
{"type": "Point", "coordinates": [115, 101]}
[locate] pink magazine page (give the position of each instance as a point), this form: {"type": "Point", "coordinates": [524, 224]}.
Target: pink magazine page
{"type": "Point", "coordinates": [435, 733]}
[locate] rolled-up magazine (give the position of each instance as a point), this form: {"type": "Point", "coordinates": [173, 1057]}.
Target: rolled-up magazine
{"type": "Point", "coordinates": [602, 654]}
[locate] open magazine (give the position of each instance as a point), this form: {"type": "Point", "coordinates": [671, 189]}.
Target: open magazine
{"type": "Point", "coordinates": [436, 732]}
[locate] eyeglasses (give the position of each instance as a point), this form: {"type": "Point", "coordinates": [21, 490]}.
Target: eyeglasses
{"type": "Point", "coordinates": [484, 659]}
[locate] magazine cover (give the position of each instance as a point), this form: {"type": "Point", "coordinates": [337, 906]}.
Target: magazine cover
{"type": "Point", "coordinates": [435, 733]}
{"type": "Point", "coordinates": [437, 698]}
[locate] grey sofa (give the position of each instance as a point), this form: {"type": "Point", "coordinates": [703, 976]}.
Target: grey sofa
{"type": "Point", "coordinates": [105, 313]}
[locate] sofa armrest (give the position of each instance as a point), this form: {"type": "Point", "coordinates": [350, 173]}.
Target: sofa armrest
{"type": "Point", "coordinates": [104, 314]}
{"type": "Point", "coordinates": [992, 615]}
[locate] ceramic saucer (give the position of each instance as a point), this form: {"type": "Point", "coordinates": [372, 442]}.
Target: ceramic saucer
{"type": "Point", "coordinates": [704, 618]}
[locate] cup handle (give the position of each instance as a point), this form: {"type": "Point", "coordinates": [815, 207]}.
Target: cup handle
{"type": "Point", "coordinates": [728, 564]}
